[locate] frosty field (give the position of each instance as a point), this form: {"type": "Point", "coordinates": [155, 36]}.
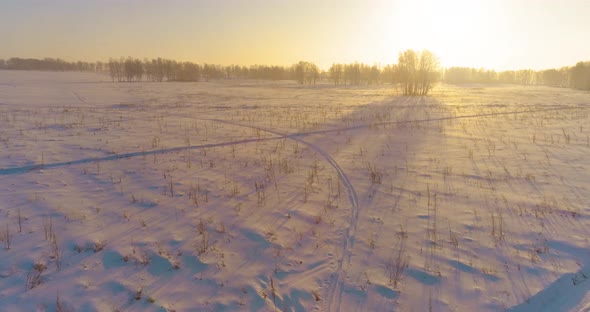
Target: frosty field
{"type": "Point", "coordinates": [270, 196]}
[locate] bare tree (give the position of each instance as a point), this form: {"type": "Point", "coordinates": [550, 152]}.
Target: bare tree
{"type": "Point", "coordinates": [428, 71]}
{"type": "Point", "coordinates": [116, 69]}
{"type": "Point", "coordinates": [336, 71]}
{"type": "Point", "coordinates": [580, 76]}
{"type": "Point", "coordinates": [417, 71]}
{"type": "Point", "coordinates": [306, 72]}
{"type": "Point", "coordinates": [408, 67]}
{"type": "Point", "coordinates": [525, 76]}
{"type": "Point", "coordinates": [189, 72]}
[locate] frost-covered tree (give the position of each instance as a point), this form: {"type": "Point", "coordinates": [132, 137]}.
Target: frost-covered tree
{"type": "Point", "coordinates": [306, 72]}
{"type": "Point", "coordinates": [115, 70]}
{"type": "Point", "coordinates": [336, 72]}
{"type": "Point", "coordinates": [418, 71]}
{"type": "Point", "coordinates": [189, 72]}
{"type": "Point", "coordinates": [580, 76]}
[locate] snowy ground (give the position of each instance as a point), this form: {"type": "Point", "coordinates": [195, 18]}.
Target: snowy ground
{"type": "Point", "coordinates": [269, 196]}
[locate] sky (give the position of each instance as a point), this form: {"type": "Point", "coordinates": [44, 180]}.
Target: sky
{"type": "Point", "coordinates": [494, 34]}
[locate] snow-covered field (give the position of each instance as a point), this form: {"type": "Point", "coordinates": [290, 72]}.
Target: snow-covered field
{"type": "Point", "coordinates": [270, 196]}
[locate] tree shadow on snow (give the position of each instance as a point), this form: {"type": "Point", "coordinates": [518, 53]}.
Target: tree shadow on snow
{"type": "Point", "coordinates": [565, 293]}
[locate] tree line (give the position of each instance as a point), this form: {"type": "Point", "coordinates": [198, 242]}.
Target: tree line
{"type": "Point", "coordinates": [50, 64]}
{"type": "Point", "coordinates": [416, 71]}
{"type": "Point", "coordinates": [133, 69]}
{"type": "Point", "coordinates": [577, 77]}
{"type": "Point", "coordinates": [159, 69]}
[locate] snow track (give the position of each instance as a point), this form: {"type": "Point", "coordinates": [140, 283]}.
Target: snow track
{"type": "Point", "coordinates": [337, 280]}
{"type": "Point", "coordinates": [294, 136]}
{"type": "Point", "coordinates": [27, 168]}
{"type": "Point", "coordinates": [166, 177]}
{"type": "Point", "coordinates": [336, 289]}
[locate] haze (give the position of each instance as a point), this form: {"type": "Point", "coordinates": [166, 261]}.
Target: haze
{"type": "Point", "coordinates": [493, 34]}
{"type": "Point", "coordinates": [294, 155]}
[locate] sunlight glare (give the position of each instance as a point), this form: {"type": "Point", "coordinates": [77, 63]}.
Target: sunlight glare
{"type": "Point", "coordinates": [460, 32]}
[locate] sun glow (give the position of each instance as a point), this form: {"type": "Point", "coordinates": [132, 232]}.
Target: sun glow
{"type": "Point", "coordinates": [497, 34]}
{"type": "Point", "coordinates": [460, 32]}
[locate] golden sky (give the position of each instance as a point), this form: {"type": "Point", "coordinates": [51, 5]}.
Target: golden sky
{"type": "Point", "coordinates": [499, 34]}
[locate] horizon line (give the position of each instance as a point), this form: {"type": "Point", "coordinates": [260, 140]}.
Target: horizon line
{"type": "Point", "coordinates": [323, 68]}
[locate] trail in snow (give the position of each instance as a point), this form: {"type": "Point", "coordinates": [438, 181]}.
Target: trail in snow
{"type": "Point", "coordinates": [77, 96]}
{"type": "Point", "coordinates": [36, 166]}
{"type": "Point", "coordinates": [294, 136]}
{"type": "Point", "coordinates": [336, 289]}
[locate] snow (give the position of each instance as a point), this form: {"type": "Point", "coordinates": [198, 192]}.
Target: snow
{"type": "Point", "coordinates": [264, 196]}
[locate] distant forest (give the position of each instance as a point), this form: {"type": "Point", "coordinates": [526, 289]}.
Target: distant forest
{"type": "Point", "coordinates": [133, 69]}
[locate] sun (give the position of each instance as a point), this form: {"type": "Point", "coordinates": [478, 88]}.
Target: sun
{"type": "Point", "coordinates": [459, 32]}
